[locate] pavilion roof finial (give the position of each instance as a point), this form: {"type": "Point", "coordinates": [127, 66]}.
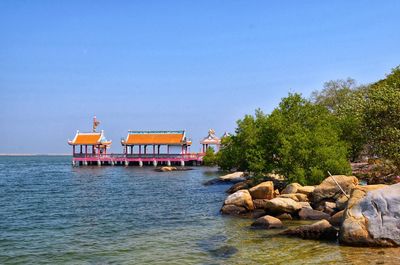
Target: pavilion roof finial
{"type": "Point", "coordinates": [95, 123]}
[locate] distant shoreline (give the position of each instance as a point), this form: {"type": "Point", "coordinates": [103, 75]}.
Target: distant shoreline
{"type": "Point", "coordinates": [35, 154]}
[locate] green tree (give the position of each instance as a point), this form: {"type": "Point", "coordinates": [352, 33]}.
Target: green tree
{"type": "Point", "coordinates": [334, 93]}
{"type": "Point", "coordinates": [382, 117]}
{"type": "Point", "coordinates": [346, 101]}
{"type": "Point", "coordinates": [303, 143]}
{"type": "Point", "coordinates": [210, 158]}
{"type": "Point", "coordinates": [244, 151]}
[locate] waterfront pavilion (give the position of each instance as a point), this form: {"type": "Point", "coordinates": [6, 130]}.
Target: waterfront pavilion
{"type": "Point", "coordinates": [137, 142]}
{"type": "Point", "coordinates": [92, 144]}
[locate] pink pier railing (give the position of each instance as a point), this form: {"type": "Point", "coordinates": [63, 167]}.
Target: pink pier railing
{"type": "Point", "coordinates": [138, 157]}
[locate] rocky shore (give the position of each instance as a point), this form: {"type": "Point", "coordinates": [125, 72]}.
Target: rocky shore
{"type": "Point", "coordinates": [343, 210]}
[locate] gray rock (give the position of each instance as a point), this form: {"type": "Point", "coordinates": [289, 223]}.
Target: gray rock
{"type": "Point", "coordinates": [372, 217]}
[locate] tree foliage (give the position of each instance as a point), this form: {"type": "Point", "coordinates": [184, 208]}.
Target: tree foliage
{"type": "Point", "coordinates": [382, 117]}
{"type": "Point", "coordinates": [303, 139]}
{"type": "Point", "coordinates": [210, 158]}
{"type": "Point", "coordinates": [298, 140]}
{"type": "Point", "coordinates": [345, 100]}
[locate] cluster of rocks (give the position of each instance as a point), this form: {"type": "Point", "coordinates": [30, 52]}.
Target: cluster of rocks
{"type": "Point", "coordinates": [356, 215]}
{"type": "Point", "coordinates": [170, 168]}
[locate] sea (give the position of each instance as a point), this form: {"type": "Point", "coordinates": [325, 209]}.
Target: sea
{"type": "Point", "coordinates": [53, 213]}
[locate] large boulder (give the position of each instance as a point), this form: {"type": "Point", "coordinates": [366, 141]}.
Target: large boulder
{"type": "Point", "coordinates": [372, 216]}
{"type": "Point", "coordinates": [229, 178]}
{"type": "Point", "coordinates": [233, 177]}
{"type": "Point", "coordinates": [241, 198]}
{"type": "Point", "coordinates": [310, 214]}
{"type": "Point", "coordinates": [329, 190]}
{"type": "Point", "coordinates": [282, 205]}
{"type": "Point", "coordinates": [267, 222]}
{"type": "Point", "coordinates": [264, 190]}
{"type": "Point", "coordinates": [298, 197]}
{"type": "Point", "coordinates": [320, 230]}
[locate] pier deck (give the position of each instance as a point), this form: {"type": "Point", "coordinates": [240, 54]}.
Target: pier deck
{"type": "Point", "coordinates": [137, 159]}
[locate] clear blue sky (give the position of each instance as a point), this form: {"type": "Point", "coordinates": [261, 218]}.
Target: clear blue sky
{"type": "Point", "coordinates": [175, 64]}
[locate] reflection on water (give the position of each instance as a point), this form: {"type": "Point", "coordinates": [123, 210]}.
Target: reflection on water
{"type": "Point", "coordinates": [53, 213]}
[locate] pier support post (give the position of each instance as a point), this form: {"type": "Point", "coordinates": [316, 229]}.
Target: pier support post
{"type": "Point", "coordinates": [126, 163]}
{"type": "Point", "coordinates": [73, 163]}
{"type": "Point", "coordinates": [99, 163]}
{"type": "Point", "coordinates": [112, 163]}
{"type": "Point", "coordinates": [85, 163]}
{"type": "Point", "coordinates": [182, 163]}
{"type": "Point", "coordinates": [155, 163]}
{"type": "Point", "coordinates": [168, 163]}
{"type": "Point", "coordinates": [140, 163]}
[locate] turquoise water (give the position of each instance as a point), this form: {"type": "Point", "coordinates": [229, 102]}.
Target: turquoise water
{"type": "Point", "coordinates": [52, 213]}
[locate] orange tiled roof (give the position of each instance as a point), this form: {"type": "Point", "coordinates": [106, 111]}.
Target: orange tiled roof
{"type": "Point", "coordinates": [172, 138]}
{"type": "Point", "coordinates": [89, 138]}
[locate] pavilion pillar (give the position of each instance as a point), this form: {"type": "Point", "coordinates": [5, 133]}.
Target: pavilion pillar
{"type": "Point", "coordinates": [158, 151]}
{"type": "Point", "coordinates": [85, 150]}
{"type": "Point", "coordinates": [131, 149]}
{"type": "Point", "coordinates": [73, 150]}
{"type": "Point", "coordinates": [145, 149]}
{"type": "Point", "coordinates": [167, 149]}
{"type": "Point", "coordinates": [154, 149]}
{"type": "Point", "coordinates": [140, 149]}
{"type": "Point", "coordinates": [81, 149]}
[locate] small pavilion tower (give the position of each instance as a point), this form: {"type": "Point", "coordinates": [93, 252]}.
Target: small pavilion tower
{"type": "Point", "coordinates": [90, 144]}
{"type": "Point", "coordinates": [210, 140]}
